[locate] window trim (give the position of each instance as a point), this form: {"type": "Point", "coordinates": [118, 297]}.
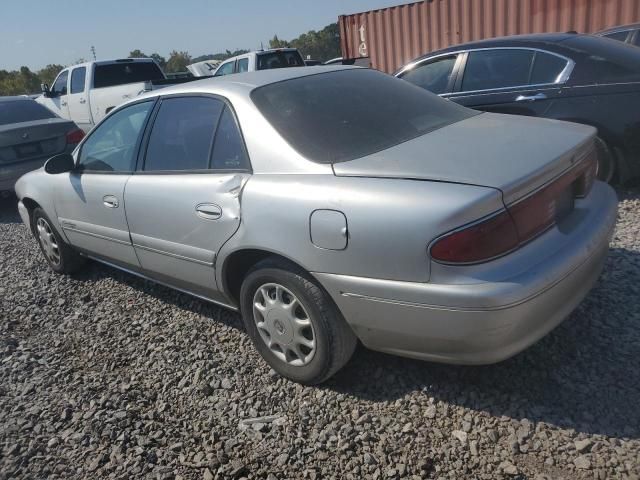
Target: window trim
{"type": "Point", "coordinates": [142, 155]}
{"type": "Point", "coordinates": [562, 78]}
{"type": "Point", "coordinates": [80, 171]}
{"type": "Point", "coordinates": [426, 61]}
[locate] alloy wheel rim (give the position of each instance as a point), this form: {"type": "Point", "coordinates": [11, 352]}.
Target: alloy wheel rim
{"type": "Point", "coordinates": [284, 324]}
{"type": "Point", "coordinates": [48, 241]}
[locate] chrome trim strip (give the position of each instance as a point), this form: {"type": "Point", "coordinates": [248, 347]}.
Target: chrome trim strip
{"type": "Point", "coordinates": [141, 275]}
{"type": "Point", "coordinates": [175, 255]}
{"type": "Point", "coordinates": [562, 77]}
{"type": "Point", "coordinates": [103, 237]}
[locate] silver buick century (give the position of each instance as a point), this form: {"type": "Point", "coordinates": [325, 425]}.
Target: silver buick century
{"type": "Point", "coordinates": [331, 205]}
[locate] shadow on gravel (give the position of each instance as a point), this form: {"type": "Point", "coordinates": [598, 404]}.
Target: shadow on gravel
{"type": "Point", "coordinates": [585, 375]}
{"type": "Point", "coordinates": [9, 209]}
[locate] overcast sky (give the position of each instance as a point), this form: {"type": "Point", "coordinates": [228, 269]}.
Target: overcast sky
{"type": "Point", "coordinates": [37, 32]}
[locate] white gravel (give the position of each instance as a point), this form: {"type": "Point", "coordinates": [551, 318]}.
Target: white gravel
{"type": "Point", "coordinates": [104, 375]}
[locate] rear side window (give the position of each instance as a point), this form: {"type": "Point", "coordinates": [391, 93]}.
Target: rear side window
{"type": "Point", "coordinates": [243, 65]}
{"type": "Point", "coordinates": [280, 59]}
{"type": "Point", "coordinates": [546, 68]}
{"type": "Point", "coordinates": [488, 69]}
{"type": "Point", "coordinates": [125, 72]}
{"type": "Point", "coordinates": [182, 134]}
{"type": "Point", "coordinates": [225, 69]}
{"type": "Point", "coordinates": [346, 114]}
{"type": "Point", "coordinates": [228, 149]}
{"type": "Point", "coordinates": [77, 79]}
{"type": "Point", "coordinates": [636, 40]}
{"type": "Point", "coordinates": [16, 111]}
{"type": "Point", "coordinates": [620, 36]}
{"type": "Point", "coordinates": [433, 76]}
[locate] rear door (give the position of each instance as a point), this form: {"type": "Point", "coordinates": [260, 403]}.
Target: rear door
{"type": "Point", "coordinates": [517, 81]}
{"type": "Point", "coordinates": [183, 203]}
{"type": "Point", "coordinates": [89, 200]}
{"type": "Point", "coordinates": [77, 99]}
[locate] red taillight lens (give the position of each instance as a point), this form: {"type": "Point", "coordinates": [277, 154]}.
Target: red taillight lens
{"type": "Point", "coordinates": [481, 241]}
{"type": "Point", "coordinates": [74, 136]}
{"type": "Point", "coordinates": [521, 222]}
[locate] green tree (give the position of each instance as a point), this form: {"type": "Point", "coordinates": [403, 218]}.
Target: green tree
{"type": "Point", "coordinates": [275, 42]}
{"type": "Point", "coordinates": [160, 60]}
{"type": "Point", "coordinates": [178, 61]}
{"type": "Point", "coordinates": [49, 73]}
{"type": "Point", "coordinates": [137, 54]}
{"type": "Point", "coordinates": [322, 45]}
{"type": "Point", "coordinates": [19, 82]}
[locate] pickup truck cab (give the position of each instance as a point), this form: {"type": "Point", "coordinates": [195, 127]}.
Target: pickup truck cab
{"type": "Point", "coordinates": [86, 92]}
{"type": "Point", "coordinates": [261, 60]}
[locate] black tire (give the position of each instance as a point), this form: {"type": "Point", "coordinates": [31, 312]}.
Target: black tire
{"type": "Point", "coordinates": [606, 162]}
{"type": "Point", "coordinates": [335, 342]}
{"type": "Point", "coordinates": [69, 260]}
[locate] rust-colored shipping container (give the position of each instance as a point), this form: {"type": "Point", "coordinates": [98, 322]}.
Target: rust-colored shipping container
{"type": "Point", "coordinates": [392, 36]}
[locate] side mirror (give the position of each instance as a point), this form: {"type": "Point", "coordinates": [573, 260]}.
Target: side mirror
{"type": "Point", "coordinates": [61, 163]}
{"type": "Point", "coordinates": [45, 89]}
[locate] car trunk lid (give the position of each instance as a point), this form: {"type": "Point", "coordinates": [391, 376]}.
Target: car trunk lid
{"type": "Point", "coordinates": [514, 154]}
{"type": "Point", "coordinates": [27, 140]}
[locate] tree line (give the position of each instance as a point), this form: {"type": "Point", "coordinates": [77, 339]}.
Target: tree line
{"type": "Point", "coordinates": [318, 45]}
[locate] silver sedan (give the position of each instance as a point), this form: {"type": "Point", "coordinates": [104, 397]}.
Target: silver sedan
{"type": "Point", "coordinates": [336, 205]}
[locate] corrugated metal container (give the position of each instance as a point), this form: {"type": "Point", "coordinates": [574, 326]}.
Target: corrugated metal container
{"type": "Point", "coordinates": [392, 36]}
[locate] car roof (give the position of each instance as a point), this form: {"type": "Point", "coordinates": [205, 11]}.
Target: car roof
{"type": "Point", "coordinates": [246, 81]}
{"type": "Point", "coordinates": [512, 40]}
{"type": "Point", "coordinates": [14, 98]}
{"type": "Point", "coordinates": [619, 28]}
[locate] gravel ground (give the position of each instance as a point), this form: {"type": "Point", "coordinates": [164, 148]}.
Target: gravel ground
{"type": "Point", "coordinates": [104, 375]}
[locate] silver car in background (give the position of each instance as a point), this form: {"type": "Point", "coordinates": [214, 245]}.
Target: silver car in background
{"type": "Point", "coordinates": [29, 135]}
{"type": "Point", "coordinates": [335, 205]}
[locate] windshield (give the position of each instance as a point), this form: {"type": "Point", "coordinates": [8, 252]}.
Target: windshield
{"type": "Point", "coordinates": [16, 111]}
{"type": "Point", "coordinates": [126, 72]}
{"type": "Point", "coordinates": [347, 114]}
{"type": "Point", "coordinates": [279, 59]}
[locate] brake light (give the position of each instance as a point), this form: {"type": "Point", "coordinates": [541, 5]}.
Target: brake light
{"type": "Point", "coordinates": [521, 222]}
{"type": "Point", "coordinates": [74, 136]}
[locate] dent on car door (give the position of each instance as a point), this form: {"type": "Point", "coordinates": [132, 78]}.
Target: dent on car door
{"type": "Point", "coordinates": [511, 80]}
{"type": "Point", "coordinates": [89, 200]}
{"type": "Point", "coordinates": [184, 203]}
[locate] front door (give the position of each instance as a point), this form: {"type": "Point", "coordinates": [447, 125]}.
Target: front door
{"type": "Point", "coordinates": [511, 80]}
{"type": "Point", "coordinates": [78, 99]}
{"type": "Point", "coordinates": [57, 100]}
{"type": "Point", "coordinates": [89, 200]}
{"type": "Point", "coordinates": [184, 203]}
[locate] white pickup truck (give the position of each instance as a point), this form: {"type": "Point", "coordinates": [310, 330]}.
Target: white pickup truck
{"type": "Point", "coordinates": [86, 92]}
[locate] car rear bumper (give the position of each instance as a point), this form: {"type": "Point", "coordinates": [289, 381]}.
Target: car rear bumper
{"type": "Point", "coordinates": [485, 322]}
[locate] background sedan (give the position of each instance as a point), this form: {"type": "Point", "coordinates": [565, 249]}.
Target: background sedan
{"type": "Point", "coordinates": [29, 135]}
{"type": "Point", "coordinates": [580, 78]}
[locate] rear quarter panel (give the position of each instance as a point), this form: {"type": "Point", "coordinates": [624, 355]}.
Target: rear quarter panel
{"type": "Point", "coordinates": [102, 100]}
{"type": "Point", "coordinates": [390, 221]}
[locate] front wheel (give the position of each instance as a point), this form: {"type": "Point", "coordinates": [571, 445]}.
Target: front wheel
{"type": "Point", "coordinates": [61, 257]}
{"type": "Point", "coordinates": [606, 162]}
{"type": "Point", "coordinates": [293, 323]}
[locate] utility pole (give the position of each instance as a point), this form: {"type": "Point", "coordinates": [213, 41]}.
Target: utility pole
{"type": "Point", "coordinates": [93, 51]}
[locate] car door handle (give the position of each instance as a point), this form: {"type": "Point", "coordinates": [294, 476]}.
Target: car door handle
{"type": "Point", "coordinates": [208, 211]}
{"type": "Point", "coordinates": [63, 104]}
{"type": "Point", "coordinates": [531, 98]}
{"type": "Point", "coordinates": [82, 100]}
{"type": "Point", "coordinates": [110, 201]}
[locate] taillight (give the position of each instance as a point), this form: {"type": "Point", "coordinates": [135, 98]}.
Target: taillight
{"type": "Point", "coordinates": [521, 222]}
{"type": "Point", "coordinates": [74, 136]}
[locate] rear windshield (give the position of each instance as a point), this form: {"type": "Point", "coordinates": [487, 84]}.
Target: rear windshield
{"type": "Point", "coordinates": [342, 115]}
{"type": "Point", "coordinates": [16, 111]}
{"type": "Point", "coordinates": [126, 72]}
{"type": "Point", "coordinates": [280, 59]}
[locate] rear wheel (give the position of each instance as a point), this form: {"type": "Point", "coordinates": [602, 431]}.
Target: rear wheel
{"type": "Point", "coordinates": [606, 162]}
{"type": "Point", "coordinates": [61, 257]}
{"type": "Point", "coordinates": [293, 323]}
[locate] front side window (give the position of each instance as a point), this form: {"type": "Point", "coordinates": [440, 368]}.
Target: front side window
{"type": "Point", "coordinates": [77, 79]}
{"type": "Point", "coordinates": [500, 68]}
{"type": "Point", "coordinates": [243, 65]}
{"type": "Point", "coordinates": [182, 134]}
{"type": "Point", "coordinates": [60, 85]}
{"type": "Point", "coordinates": [433, 76]}
{"type": "Point", "coordinates": [346, 114]}
{"type": "Point", "coordinates": [225, 69]}
{"type": "Point", "coordinates": [111, 147]}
